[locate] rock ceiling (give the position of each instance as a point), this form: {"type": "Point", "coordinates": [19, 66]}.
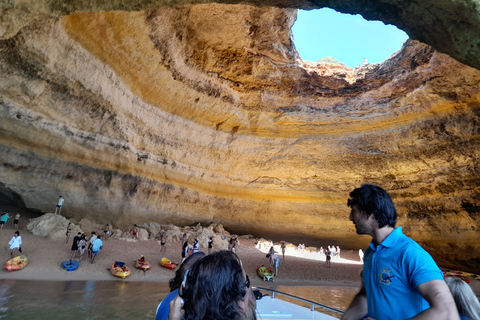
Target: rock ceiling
{"type": "Point", "coordinates": [204, 113]}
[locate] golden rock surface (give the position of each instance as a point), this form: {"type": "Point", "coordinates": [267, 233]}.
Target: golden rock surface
{"type": "Point", "coordinates": [206, 113]}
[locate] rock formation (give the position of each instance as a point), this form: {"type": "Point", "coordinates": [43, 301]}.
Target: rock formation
{"type": "Point", "coordinates": [205, 114]}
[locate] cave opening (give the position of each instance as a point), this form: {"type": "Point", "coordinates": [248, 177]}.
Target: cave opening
{"type": "Point", "coordinates": [330, 36]}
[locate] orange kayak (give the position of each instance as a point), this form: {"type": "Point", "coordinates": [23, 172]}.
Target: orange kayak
{"type": "Point", "coordinates": [166, 263]}
{"type": "Point", "coordinates": [16, 263]}
{"type": "Point", "coordinates": [145, 265]}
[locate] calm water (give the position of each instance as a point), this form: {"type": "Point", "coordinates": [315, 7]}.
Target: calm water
{"type": "Point", "coordinates": [114, 300]}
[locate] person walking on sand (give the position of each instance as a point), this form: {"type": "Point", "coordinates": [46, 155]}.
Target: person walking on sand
{"type": "Point", "coordinates": [3, 219]}
{"type": "Point", "coordinates": [15, 221]}
{"type": "Point", "coordinates": [59, 205]}
{"type": "Point", "coordinates": [400, 280]}
{"type": "Point", "coordinates": [15, 243]}
{"type": "Point", "coordinates": [283, 247]}
{"type": "Point", "coordinates": [69, 230]}
{"type": "Point", "coordinates": [96, 247]}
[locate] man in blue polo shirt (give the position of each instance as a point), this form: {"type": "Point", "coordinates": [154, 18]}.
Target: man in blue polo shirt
{"type": "Point", "coordinates": [400, 279]}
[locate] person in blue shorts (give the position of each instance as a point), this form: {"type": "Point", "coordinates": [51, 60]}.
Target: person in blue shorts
{"type": "Point", "coordinates": [400, 279]}
{"type": "Point", "coordinates": [59, 205]}
{"type": "Point", "coordinates": [97, 245]}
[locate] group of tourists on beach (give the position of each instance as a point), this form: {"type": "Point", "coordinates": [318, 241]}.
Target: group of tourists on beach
{"type": "Point", "coordinates": [81, 243]}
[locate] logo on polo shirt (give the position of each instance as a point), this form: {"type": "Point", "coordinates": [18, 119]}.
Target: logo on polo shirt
{"type": "Point", "coordinates": [386, 277]}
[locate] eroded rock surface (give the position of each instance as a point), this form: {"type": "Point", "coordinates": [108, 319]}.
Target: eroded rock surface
{"type": "Point", "coordinates": [205, 114]}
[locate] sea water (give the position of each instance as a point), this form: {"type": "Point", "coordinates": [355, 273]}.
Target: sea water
{"type": "Point", "coordinates": [80, 299]}
{"type": "Point", "coordinates": [20, 299]}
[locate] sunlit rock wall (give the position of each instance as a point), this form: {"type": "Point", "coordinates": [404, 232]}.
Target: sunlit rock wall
{"type": "Point", "coordinates": [206, 114]}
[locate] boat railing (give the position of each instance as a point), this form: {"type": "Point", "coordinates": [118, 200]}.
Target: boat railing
{"type": "Point", "coordinates": [313, 304]}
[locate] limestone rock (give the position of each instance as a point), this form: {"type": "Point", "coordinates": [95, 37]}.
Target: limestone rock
{"type": "Point", "coordinates": [52, 226]}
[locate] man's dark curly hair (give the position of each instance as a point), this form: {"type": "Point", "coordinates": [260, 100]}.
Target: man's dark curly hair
{"type": "Point", "coordinates": [214, 285]}
{"type": "Point", "coordinates": [372, 199]}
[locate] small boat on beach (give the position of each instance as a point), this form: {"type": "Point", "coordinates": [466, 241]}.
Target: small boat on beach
{"type": "Point", "coordinates": [70, 265]}
{"type": "Point", "coordinates": [119, 269]}
{"type": "Point", "coordinates": [265, 273]}
{"type": "Point", "coordinates": [16, 263]}
{"type": "Point", "coordinates": [166, 263]}
{"type": "Point", "coordinates": [142, 265]}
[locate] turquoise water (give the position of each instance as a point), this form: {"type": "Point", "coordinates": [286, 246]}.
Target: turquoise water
{"type": "Point", "coordinates": [111, 300]}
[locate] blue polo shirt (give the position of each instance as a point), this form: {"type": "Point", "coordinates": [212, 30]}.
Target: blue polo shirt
{"type": "Point", "coordinates": [391, 273]}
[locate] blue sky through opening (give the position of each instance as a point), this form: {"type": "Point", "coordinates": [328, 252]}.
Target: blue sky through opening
{"type": "Point", "coordinates": [347, 38]}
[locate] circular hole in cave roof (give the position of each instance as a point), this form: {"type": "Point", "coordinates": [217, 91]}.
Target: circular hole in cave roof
{"type": "Point", "coordinates": [324, 34]}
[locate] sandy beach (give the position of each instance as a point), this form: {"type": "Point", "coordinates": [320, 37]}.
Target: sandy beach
{"type": "Point", "coordinates": [45, 257]}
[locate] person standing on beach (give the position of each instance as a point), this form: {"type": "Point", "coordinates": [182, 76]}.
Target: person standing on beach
{"type": "Point", "coordinates": [93, 237]}
{"type": "Point", "coordinates": [107, 230]}
{"type": "Point", "coordinates": [195, 246]}
{"type": "Point", "coordinates": [274, 262]}
{"type": "Point", "coordinates": [15, 243]}
{"type": "Point", "coordinates": [82, 244]}
{"type": "Point", "coordinates": [76, 239]}
{"type": "Point", "coordinates": [68, 232]}
{"type": "Point", "coordinates": [135, 232]}
{"type": "Point", "coordinates": [97, 245]}
{"type": "Point", "coordinates": [163, 242]}
{"type": "Point", "coordinates": [283, 247]}
{"type": "Point", "coordinates": [15, 221]}
{"type": "Point", "coordinates": [3, 219]}
{"type": "Point", "coordinates": [184, 250]}
{"type": "Point", "coordinates": [400, 279]}
{"type": "Point", "coordinates": [59, 205]}
{"type": "Point", "coordinates": [328, 257]}
{"type": "Point", "coordinates": [210, 245]}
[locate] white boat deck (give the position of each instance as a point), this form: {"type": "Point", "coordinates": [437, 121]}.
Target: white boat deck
{"type": "Point", "coordinates": [274, 308]}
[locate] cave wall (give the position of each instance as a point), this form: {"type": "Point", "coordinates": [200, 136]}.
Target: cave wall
{"type": "Point", "coordinates": [205, 113]}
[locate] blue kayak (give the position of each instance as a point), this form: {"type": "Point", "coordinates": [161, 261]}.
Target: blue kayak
{"type": "Point", "coordinates": [70, 265]}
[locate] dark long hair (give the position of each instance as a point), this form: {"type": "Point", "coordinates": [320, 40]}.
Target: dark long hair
{"type": "Point", "coordinates": [214, 285]}
{"type": "Point", "coordinates": [176, 281]}
{"type": "Point", "coordinates": [373, 199]}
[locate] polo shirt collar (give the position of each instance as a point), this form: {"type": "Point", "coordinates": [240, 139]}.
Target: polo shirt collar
{"type": "Point", "coordinates": [390, 240]}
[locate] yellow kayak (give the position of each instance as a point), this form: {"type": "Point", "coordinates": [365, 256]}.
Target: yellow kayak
{"type": "Point", "coordinates": [119, 269]}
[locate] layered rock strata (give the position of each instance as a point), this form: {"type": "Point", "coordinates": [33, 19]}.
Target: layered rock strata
{"type": "Point", "coordinates": [206, 114]}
